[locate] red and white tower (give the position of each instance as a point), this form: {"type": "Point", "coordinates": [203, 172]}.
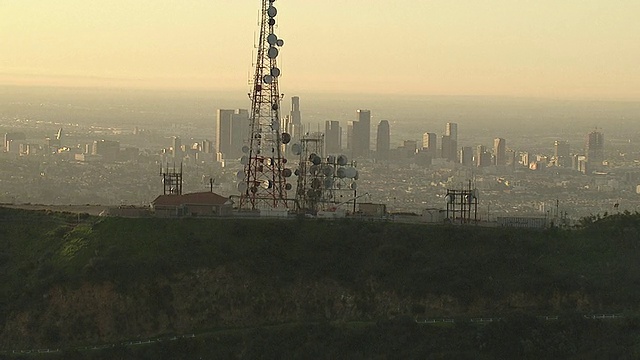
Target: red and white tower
{"type": "Point", "coordinates": [263, 181]}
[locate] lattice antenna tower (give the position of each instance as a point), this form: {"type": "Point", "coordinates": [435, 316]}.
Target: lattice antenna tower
{"type": "Point", "coordinates": [264, 182]}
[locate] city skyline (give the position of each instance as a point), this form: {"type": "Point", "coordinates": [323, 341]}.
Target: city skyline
{"type": "Point", "coordinates": [583, 50]}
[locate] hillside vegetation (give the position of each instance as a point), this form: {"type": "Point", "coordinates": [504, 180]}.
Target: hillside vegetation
{"type": "Point", "coordinates": [68, 280]}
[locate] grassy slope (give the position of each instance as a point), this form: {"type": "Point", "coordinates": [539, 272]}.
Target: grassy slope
{"type": "Point", "coordinates": [594, 269]}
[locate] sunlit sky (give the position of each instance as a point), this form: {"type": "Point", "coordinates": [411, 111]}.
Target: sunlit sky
{"type": "Point", "coordinates": [538, 48]}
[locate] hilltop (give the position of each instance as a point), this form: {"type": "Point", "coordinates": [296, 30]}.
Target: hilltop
{"type": "Point", "coordinates": [69, 280]}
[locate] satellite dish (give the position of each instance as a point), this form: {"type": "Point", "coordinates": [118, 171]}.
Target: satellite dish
{"type": "Point", "coordinates": [272, 53]}
{"type": "Point", "coordinates": [353, 186]}
{"type": "Point", "coordinates": [286, 172]}
{"type": "Point", "coordinates": [272, 39]}
{"type": "Point", "coordinates": [296, 149]}
{"type": "Point", "coordinates": [254, 189]}
{"type": "Point", "coordinates": [331, 159]}
{"type": "Point", "coordinates": [342, 160]}
{"type": "Point", "coordinates": [316, 183]}
{"type": "Point", "coordinates": [316, 160]}
{"type": "Point", "coordinates": [288, 187]}
{"type": "Point", "coordinates": [242, 187]}
{"type": "Point", "coordinates": [327, 170]}
{"type": "Point", "coordinates": [275, 72]}
{"type": "Point", "coordinates": [245, 149]}
{"type": "Point", "coordinates": [350, 172]}
{"type": "Point", "coordinates": [341, 173]}
{"type": "Point", "coordinates": [313, 170]}
{"type": "Point", "coordinates": [244, 160]}
{"type": "Point", "coordinates": [267, 184]}
{"type": "Point", "coordinates": [275, 125]}
{"type": "Point", "coordinates": [286, 138]}
{"type": "Point", "coordinates": [272, 22]}
{"type": "Point", "coordinates": [268, 79]}
{"type": "Point", "coordinates": [272, 12]}
{"type": "Point", "coordinates": [280, 42]}
{"type": "Point", "coordinates": [296, 172]}
{"type": "Point", "coordinates": [240, 175]}
{"type": "Point", "coordinates": [357, 175]}
{"type": "Point", "coordinates": [274, 106]}
{"type": "Point", "coordinates": [328, 183]}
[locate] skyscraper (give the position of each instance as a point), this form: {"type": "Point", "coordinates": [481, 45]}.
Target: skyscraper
{"type": "Point", "coordinates": [383, 141]}
{"type": "Point", "coordinates": [449, 146]}
{"type": "Point", "coordinates": [561, 153]}
{"type": "Point", "coordinates": [595, 147]}
{"type": "Point", "coordinates": [452, 131]}
{"type": "Point", "coordinates": [499, 151]}
{"type": "Point", "coordinates": [429, 142]}
{"type": "Point", "coordinates": [332, 137]}
{"type": "Point", "coordinates": [232, 128]}
{"type": "Point", "coordinates": [294, 121]}
{"type": "Point", "coordinates": [359, 134]}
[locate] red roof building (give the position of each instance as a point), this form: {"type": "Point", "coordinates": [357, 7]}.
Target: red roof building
{"type": "Point", "coordinates": [205, 204]}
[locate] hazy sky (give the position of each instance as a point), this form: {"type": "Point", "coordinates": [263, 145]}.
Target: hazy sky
{"type": "Point", "coordinates": [540, 48]}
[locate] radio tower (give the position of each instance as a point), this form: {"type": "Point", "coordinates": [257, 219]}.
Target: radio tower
{"type": "Point", "coordinates": [264, 177]}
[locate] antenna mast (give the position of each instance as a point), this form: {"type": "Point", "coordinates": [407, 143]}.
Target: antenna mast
{"type": "Point", "coordinates": [264, 182]}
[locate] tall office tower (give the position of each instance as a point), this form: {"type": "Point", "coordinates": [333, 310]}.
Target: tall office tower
{"type": "Point", "coordinates": [294, 120]}
{"type": "Point", "coordinates": [232, 128]}
{"type": "Point", "coordinates": [429, 142]}
{"type": "Point", "coordinates": [176, 146]}
{"type": "Point", "coordinates": [499, 151]}
{"type": "Point", "coordinates": [239, 131]}
{"type": "Point", "coordinates": [452, 131]}
{"type": "Point", "coordinates": [449, 148]}
{"type": "Point", "coordinates": [595, 147]}
{"type": "Point", "coordinates": [480, 157]}
{"type": "Point", "coordinates": [264, 177]}
{"type": "Point", "coordinates": [561, 153]}
{"type": "Point", "coordinates": [332, 137]}
{"type": "Point", "coordinates": [359, 134]}
{"type": "Point", "coordinates": [510, 158]}
{"type": "Point", "coordinates": [445, 147]}
{"type": "Point", "coordinates": [466, 156]}
{"type": "Point", "coordinates": [224, 126]}
{"type": "Point", "coordinates": [383, 141]}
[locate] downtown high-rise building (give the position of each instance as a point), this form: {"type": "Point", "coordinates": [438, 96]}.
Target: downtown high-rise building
{"type": "Point", "coordinates": [332, 137]}
{"type": "Point", "coordinates": [449, 144]}
{"type": "Point", "coordinates": [595, 147]}
{"type": "Point", "coordinates": [466, 156]}
{"type": "Point", "coordinates": [562, 153]}
{"type": "Point", "coordinates": [383, 140]}
{"type": "Point", "coordinates": [294, 120]}
{"type": "Point", "coordinates": [359, 134]}
{"type": "Point", "coordinates": [499, 151]}
{"type": "Point", "coordinates": [232, 129]}
{"type": "Point", "coordinates": [429, 142]}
